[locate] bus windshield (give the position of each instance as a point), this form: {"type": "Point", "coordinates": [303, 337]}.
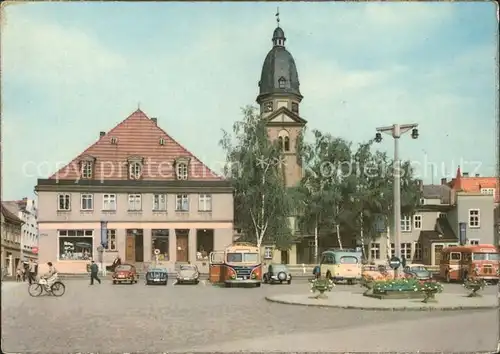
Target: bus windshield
{"type": "Point", "coordinates": [486, 256]}
{"type": "Point", "coordinates": [243, 258]}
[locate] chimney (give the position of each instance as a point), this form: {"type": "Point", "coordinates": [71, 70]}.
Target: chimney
{"type": "Point", "coordinates": [443, 181]}
{"type": "Point", "coordinates": [101, 134]}
{"type": "Point", "coordinates": [477, 175]}
{"type": "Point", "coordinates": [465, 174]}
{"type": "Point", "coordinates": [155, 120]}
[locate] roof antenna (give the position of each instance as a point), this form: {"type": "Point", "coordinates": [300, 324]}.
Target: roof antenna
{"type": "Point", "coordinates": [278, 16]}
{"type": "Point", "coordinates": [138, 106]}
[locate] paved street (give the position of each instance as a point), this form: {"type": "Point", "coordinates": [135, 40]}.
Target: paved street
{"type": "Point", "coordinates": [127, 318]}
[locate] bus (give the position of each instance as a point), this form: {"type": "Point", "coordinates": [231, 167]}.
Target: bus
{"type": "Point", "coordinates": [341, 264]}
{"type": "Point", "coordinates": [238, 264]}
{"type": "Point", "coordinates": [461, 262]}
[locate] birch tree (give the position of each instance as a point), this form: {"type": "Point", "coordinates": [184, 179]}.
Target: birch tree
{"type": "Point", "coordinates": [320, 187]}
{"type": "Point", "coordinates": [254, 165]}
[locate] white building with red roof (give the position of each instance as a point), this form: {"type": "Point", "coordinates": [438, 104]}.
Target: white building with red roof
{"type": "Point", "coordinates": [139, 191]}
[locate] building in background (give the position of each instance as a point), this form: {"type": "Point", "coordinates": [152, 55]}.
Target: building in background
{"type": "Point", "coordinates": [151, 192]}
{"type": "Point", "coordinates": [26, 210]}
{"type": "Point", "coordinates": [11, 240]}
{"type": "Point", "coordinates": [436, 224]}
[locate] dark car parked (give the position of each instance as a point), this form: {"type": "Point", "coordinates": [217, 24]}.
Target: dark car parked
{"type": "Point", "coordinates": [418, 271]}
{"type": "Point", "coordinates": [157, 276]}
{"type": "Point", "coordinates": [277, 273]}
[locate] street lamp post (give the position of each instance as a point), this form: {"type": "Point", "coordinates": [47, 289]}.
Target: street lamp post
{"type": "Point", "coordinates": [396, 131]}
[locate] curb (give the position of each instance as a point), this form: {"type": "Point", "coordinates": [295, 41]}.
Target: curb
{"type": "Point", "coordinates": [367, 308]}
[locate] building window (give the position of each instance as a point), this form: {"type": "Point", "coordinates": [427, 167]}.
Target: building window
{"type": "Point", "coordinates": [405, 223]}
{"type": "Point", "coordinates": [111, 240]}
{"type": "Point", "coordinates": [417, 222]}
{"type": "Point", "coordinates": [282, 82]}
{"type": "Point", "coordinates": [474, 221]}
{"type": "Point", "coordinates": [393, 249]}
{"type": "Point", "coordinates": [406, 250]}
{"type": "Point", "coordinates": [181, 202]}
{"type": "Point", "coordinates": [418, 251]}
{"type": "Point", "coordinates": [87, 167]}
{"type": "Point", "coordinates": [160, 202]}
{"type": "Point", "coordinates": [64, 202]}
{"type": "Point", "coordinates": [109, 202]}
{"type": "Point", "coordinates": [286, 144]}
{"type": "Point", "coordinates": [473, 241]}
{"type": "Point", "coordinates": [490, 191]}
{"type": "Point", "coordinates": [295, 107]}
{"type": "Point", "coordinates": [268, 252]}
{"type": "Point", "coordinates": [135, 170]}
{"type": "Point", "coordinates": [442, 215]}
{"type": "Point", "coordinates": [75, 244]}
{"type": "Point", "coordinates": [134, 202]}
{"type": "Point", "coordinates": [87, 202]}
{"type": "Point", "coordinates": [205, 202]}
{"type": "Point", "coordinates": [375, 250]}
{"type": "Point", "coordinates": [182, 171]}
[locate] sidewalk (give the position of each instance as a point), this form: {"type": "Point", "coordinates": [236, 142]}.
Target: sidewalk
{"type": "Point", "coordinates": [349, 300]}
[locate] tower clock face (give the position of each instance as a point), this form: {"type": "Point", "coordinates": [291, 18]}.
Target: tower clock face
{"type": "Point", "coordinates": [269, 106]}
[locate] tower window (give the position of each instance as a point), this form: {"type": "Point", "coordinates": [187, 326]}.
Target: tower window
{"type": "Point", "coordinates": [295, 107]}
{"type": "Point", "coordinates": [286, 144]}
{"type": "Point", "coordinates": [282, 82]}
{"type": "Point", "coordinates": [284, 140]}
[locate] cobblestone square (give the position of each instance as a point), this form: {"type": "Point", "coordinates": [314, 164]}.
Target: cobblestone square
{"type": "Point", "coordinates": [128, 318]}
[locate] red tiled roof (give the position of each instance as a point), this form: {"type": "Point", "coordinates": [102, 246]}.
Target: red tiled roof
{"type": "Point", "coordinates": [474, 184]}
{"type": "Point", "coordinates": [137, 136]}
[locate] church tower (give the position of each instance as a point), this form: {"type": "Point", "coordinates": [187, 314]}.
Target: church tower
{"type": "Point", "coordinates": [279, 99]}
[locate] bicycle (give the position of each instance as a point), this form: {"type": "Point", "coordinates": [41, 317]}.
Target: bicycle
{"type": "Point", "coordinates": [37, 289]}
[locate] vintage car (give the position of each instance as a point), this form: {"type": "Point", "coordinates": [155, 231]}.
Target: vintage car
{"type": "Point", "coordinates": [277, 273]}
{"type": "Point", "coordinates": [375, 272]}
{"type": "Point", "coordinates": [157, 276]}
{"type": "Point", "coordinates": [125, 273]}
{"type": "Point", "coordinates": [418, 271]}
{"type": "Point", "coordinates": [188, 274]}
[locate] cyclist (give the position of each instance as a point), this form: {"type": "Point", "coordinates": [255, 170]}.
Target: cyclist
{"type": "Point", "coordinates": [50, 277]}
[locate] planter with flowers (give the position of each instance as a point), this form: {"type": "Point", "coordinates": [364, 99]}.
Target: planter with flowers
{"type": "Point", "coordinates": [320, 286]}
{"type": "Point", "coordinates": [429, 288]}
{"type": "Point", "coordinates": [474, 284]}
{"type": "Point", "coordinates": [395, 289]}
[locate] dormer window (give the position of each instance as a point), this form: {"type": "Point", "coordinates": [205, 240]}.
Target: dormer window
{"type": "Point", "coordinates": [87, 167]}
{"type": "Point", "coordinates": [282, 82]}
{"type": "Point", "coordinates": [182, 168]}
{"type": "Point", "coordinates": [114, 141]}
{"type": "Point", "coordinates": [135, 168]}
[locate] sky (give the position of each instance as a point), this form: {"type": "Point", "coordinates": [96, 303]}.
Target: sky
{"type": "Point", "coordinates": [71, 70]}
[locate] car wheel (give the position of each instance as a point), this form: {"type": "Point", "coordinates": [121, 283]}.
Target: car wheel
{"type": "Point", "coordinates": [196, 282]}
{"type": "Point", "coordinates": [264, 279]}
{"type": "Point", "coordinates": [289, 282]}
{"type": "Point", "coordinates": [114, 282]}
{"type": "Point", "coordinates": [257, 285]}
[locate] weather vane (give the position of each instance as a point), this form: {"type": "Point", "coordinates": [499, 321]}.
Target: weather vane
{"type": "Point", "coordinates": [278, 16]}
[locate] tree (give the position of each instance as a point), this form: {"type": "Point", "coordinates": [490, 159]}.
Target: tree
{"type": "Point", "coordinates": [319, 192]}
{"type": "Point", "coordinates": [262, 204]}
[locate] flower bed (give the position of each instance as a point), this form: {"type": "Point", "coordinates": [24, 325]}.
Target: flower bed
{"type": "Point", "coordinates": [474, 285]}
{"type": "Point", "coordinates": [395, 289]}
{"type": "Point", "coordinates": [321, 285]}
{"type": "Point", "coordinates": [429, 288]}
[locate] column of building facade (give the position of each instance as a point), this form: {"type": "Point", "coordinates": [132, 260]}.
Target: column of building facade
{"type": "Point", "coordinates": [147, 245]}
{"type": "Point", "coordinates": [192, 244]}
{"type": "Point", "coordinates": [172, 246]}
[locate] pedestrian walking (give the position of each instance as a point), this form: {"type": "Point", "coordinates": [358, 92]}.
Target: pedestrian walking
{"type": "Point", "coordinates": [31, 272]}
{"type": "Point", "coordinates": [94, 269]}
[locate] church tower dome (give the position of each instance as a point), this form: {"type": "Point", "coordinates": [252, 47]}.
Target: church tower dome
{"type": "Point", "coordinates": [279, 73]}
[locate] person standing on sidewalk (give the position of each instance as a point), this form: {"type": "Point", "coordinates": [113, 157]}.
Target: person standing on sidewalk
{"type": "Point", "coordinates": [31, 271]}
{"type": "Point", "coordinates": [94, 269]}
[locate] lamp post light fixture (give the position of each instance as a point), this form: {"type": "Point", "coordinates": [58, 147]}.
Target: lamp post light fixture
{"type": "Point", "coordinates": [396, 131]}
